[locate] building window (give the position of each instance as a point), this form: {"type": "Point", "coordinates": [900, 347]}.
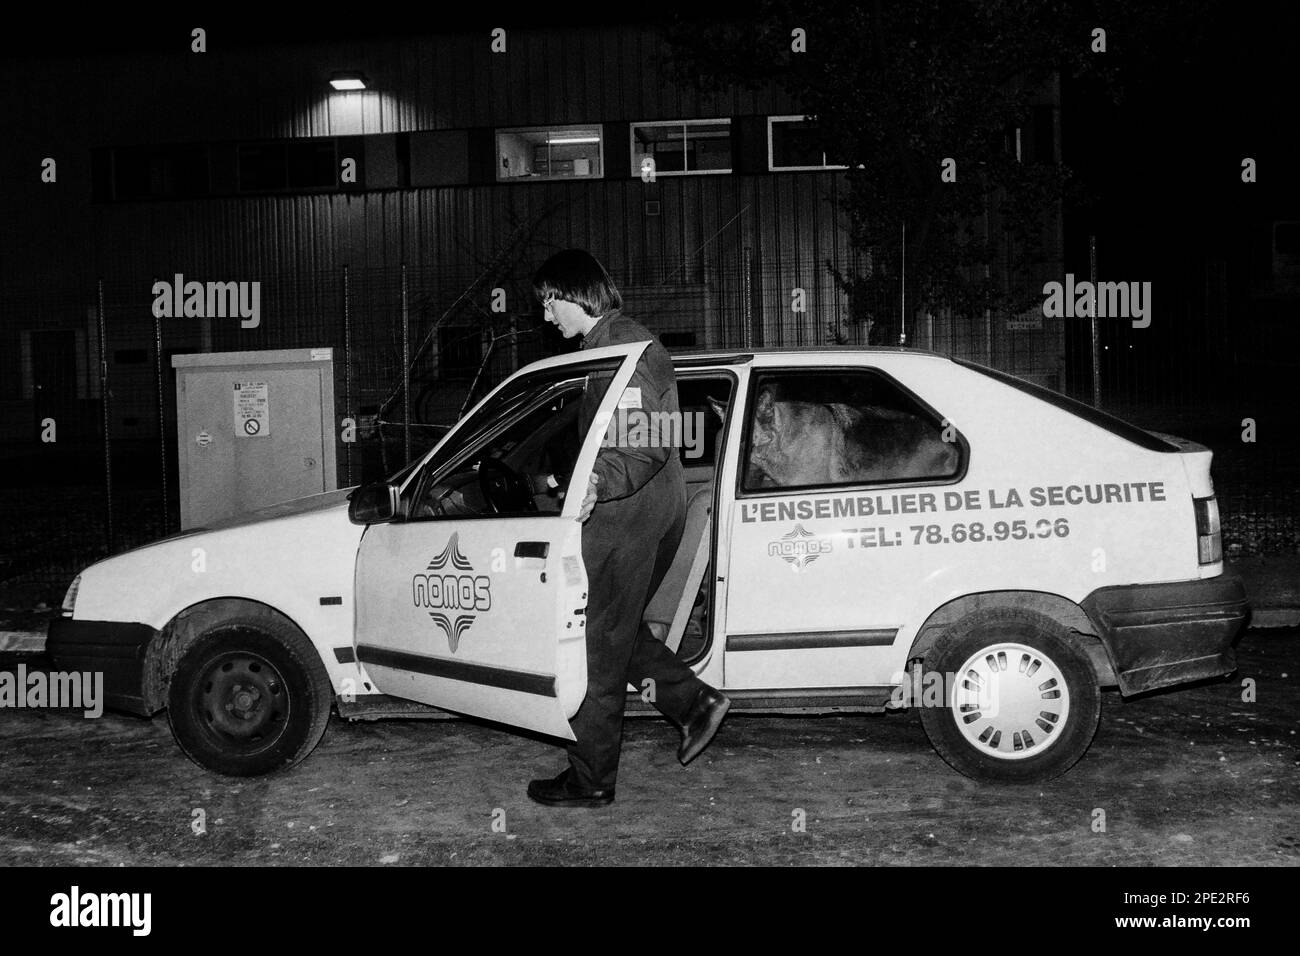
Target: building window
{"type": "Point", "coordinates": [793, 143]}
{"type": "Point", "coordinates": [143, 173]}
{"type": "Point", "coordinates": [1286, 256]}
{"type": "Point", "coordinates": [550, 152]}
{"type": "Point", "coordinates": [160, 172]}
{"type": "Point", "coordinates": [678, 340]}
{"type": "Point", "coordinates": [682, 147]}
{"type": "Point", "coordinates": [293, 166]}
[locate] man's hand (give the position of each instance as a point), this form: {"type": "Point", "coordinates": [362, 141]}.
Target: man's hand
{"type": "Point", "coordinates": [589, 500]}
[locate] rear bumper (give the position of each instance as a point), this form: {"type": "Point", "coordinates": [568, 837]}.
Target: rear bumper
{"type": "Point", "coordinates": [1162, 634]}
{"type": "Point", "coordinates": [114, 648]}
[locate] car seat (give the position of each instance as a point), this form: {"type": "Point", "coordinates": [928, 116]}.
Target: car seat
{"type": "Point", "coordinates": [681, 583]}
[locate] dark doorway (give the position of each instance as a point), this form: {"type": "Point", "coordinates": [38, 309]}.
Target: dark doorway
{"type": "Point", "coordinates": [54, 376]}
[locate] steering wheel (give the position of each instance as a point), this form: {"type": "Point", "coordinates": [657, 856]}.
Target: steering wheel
{"type": "Point", "coordinates": [504, 489]}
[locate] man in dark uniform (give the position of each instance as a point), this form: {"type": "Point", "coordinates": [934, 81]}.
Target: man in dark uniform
{"type": "Point", "coordinates": [634, 510]}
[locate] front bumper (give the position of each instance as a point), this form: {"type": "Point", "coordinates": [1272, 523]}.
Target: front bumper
{"type": "Point", "coordinates": [1162, 634]}
{"type": "Point", "coordinates": [116, 649]}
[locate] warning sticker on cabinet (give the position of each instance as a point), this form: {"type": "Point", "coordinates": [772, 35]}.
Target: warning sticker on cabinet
{"type": "Point", "coordinates": [252, 410]}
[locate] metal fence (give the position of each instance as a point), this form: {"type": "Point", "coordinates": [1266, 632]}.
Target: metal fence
{"type": "Point", "coordinates": [415, 346]}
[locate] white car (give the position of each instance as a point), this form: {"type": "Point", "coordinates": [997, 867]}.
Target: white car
{"type": "Point", "coordinates": [867, 528]}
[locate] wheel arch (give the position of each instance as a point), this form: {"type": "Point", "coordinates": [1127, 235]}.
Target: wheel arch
{"type": "Point", "coordinates": [166, 650]}
{"type": "Point", "coordinates": [1082, 632]}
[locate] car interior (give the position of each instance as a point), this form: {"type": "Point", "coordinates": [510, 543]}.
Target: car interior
{"type": "Point", "coordinates": [706, 399]}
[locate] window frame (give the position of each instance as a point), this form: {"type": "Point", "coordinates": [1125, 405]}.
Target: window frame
{"type": "Point", "coordinates": [473, 431]}
{"type": "Point", "coordinates": [688, 374]}
{"type": "Point", "coordinates": [431, 473]}
{"type": "Point", "coordinates": [241, 189]}
{"type": "Point", "coordinates": [549, 177]}
{"type": "Point", "coordinates": [771, 154]}
{"type": "Point", "coordinates": [643, 124]}
{"type": "Point", "coordinates": [746, 435]}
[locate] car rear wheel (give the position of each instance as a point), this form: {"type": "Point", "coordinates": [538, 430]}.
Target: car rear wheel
{"type": "Point", "coordinates": [249, 697]}
{"type": "Point", "coordinates": [1020, 703]}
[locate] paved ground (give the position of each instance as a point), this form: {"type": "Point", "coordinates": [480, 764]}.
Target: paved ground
{"type": "Point", "coordinates": [1192, 777]}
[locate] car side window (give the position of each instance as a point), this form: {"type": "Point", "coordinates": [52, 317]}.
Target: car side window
{"type": "Point", "coordinates": [703, 402]}
{"type": "Point", "coordinates": [517, 455]}
{"type": "Point", "coordinates": [843, 427]}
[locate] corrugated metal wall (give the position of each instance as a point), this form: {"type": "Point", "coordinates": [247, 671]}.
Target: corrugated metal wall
{"type": "Point", "coordinates": [419, 84]}
{"type": "Point", "coordinates": [716, 251]}
{"type": "Point", "coordinates": [723, 254]}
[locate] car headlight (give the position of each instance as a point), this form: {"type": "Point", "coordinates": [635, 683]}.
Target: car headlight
{"type": "Point", "coordinates": [70, 599]}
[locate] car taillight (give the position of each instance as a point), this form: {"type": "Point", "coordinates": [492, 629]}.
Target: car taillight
{"type": "Point", "coordinates": [1209, 535]}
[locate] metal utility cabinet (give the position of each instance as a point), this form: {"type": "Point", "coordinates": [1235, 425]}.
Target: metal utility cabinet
{"type": "Point", "coordinates": [252, 429]}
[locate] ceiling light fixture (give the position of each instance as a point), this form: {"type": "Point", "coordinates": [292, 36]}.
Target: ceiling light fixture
{"type": "Point", "coordinates": [344, 81]}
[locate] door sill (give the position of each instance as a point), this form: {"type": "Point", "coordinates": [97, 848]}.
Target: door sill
{"type": "Point", "coordinates": [794, 700]}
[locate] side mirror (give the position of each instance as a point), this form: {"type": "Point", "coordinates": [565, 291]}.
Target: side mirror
{"type": "Point", "coordinates": [373, 504]}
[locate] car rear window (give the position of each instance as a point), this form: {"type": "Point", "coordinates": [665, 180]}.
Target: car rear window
{"type": "Point", "coordinates": [839, 427]}
{"type": "Point", "coordinates": [1094, 416]}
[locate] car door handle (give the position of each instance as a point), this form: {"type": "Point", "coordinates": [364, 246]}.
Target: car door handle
{"type": "Point", "coordinates": [532, 549]}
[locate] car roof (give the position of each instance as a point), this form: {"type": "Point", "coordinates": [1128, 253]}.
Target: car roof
{"type": "Point", "coordinates": [741, 356]}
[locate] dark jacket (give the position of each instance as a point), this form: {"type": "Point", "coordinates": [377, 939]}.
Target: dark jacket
{"type": "Point", "coordinates": [624, 468]}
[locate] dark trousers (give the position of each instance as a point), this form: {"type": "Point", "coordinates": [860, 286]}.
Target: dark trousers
{"type": "Point", "coordinates": [628, 546]}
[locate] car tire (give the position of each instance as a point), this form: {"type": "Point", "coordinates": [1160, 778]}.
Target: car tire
{"type": "Point", "coordinates": [249, 697]}
{"type": "Point", "coordinates": [1020, 702]}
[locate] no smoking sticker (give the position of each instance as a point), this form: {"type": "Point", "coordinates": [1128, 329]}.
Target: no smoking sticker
{"type": "Point", "coordinates": [252, 409]}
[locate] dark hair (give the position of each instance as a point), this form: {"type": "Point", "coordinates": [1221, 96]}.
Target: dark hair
{"type": "Point", "coordinates": [576, 276]}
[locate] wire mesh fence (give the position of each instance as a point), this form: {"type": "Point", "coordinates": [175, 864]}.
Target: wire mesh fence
{"type": "Point", "coordinates": [88, 426]}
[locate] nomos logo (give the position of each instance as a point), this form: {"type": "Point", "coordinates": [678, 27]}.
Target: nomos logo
{"type": "Point", "coordinates": [799, 548]}
{"type": "Point", "coordinates": [75, 908]}
{"type": "Point", "coordinates": [441, 592]}
{"type": "Point", "coordinates": [208, 300]}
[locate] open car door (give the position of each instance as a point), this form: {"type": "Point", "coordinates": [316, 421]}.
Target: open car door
{"type": "Point", "coordinates": [474, 598]}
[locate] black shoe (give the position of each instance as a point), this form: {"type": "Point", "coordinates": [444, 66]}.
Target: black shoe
{"type": "Point", "coordinates": [702, 722]}
{"type": "Point", "coordinates": [558, 792]}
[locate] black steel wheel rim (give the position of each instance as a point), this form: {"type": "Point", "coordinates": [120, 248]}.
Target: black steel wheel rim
{"type": "Point", "coordinates": [241, 701]}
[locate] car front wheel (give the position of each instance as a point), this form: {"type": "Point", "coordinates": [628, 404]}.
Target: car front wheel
{"type": "Point", "coordinates": [249, 697]}
{"type": "Point", "coordinates": [1019, 703]}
